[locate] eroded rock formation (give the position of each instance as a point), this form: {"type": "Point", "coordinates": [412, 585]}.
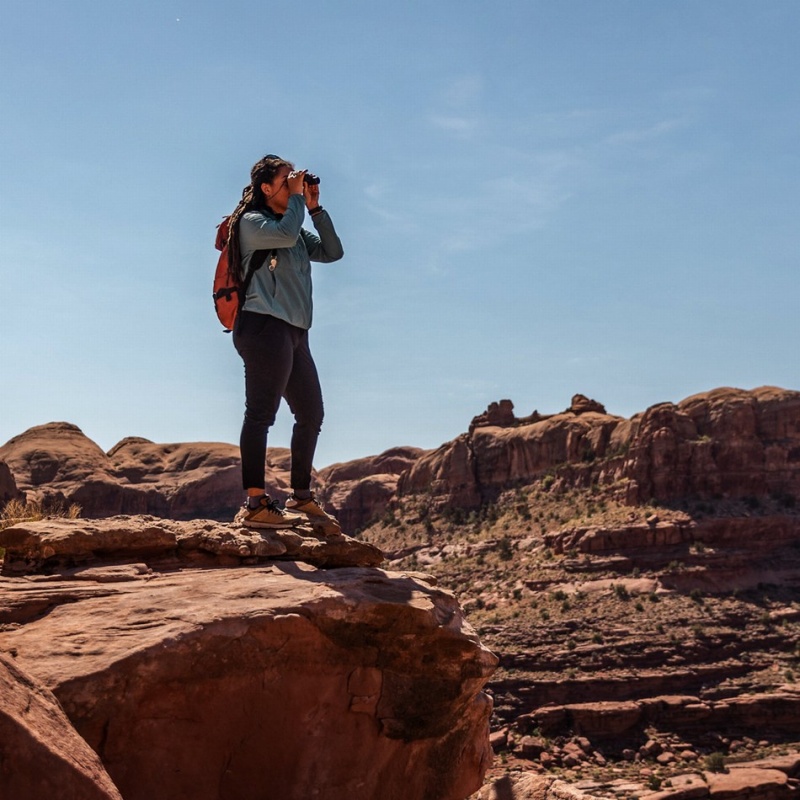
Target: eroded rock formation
{"type": "Point", "coordinates": [8, 486]}
{"type": "Point", "coordinates": [359, 491]}
{"type": "Point", "coordinates": [199, 660]}
{"type": "Point", "coordinates": [57, 463]}
{"type": "Point", "coordinates": [722, 443]}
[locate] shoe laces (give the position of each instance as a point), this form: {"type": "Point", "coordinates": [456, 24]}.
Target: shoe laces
{"type": "Point", "coordinates": [272, 505]}
{"type": "Point", "coordinates": [265, 502]}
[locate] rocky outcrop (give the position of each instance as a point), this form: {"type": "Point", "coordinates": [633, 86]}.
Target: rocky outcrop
{"type": "Point", "coordinates": [778, 711]}
{"type": "Point", "coordinates": [41, 753]}
{"type": "Point", "coordinates": [57, 544]}
{"type": "Point", "coordinates": [8, 486]}
{"type": "Point", "coordinates": [722, 443]}
{"type": "Point", "coordinates": [57, 463]}
{"type": "Point", "coordinates": [474, 468]}
{"type": "Point", "coordinates": [715, 555]}
{"type": "Point", "coordinates": [278, 678]}
{"type": "Point", "coordinates": [581, 404]}
{"type": "Point", "coordinates": [727, 442]}
{"type": "Point", "coordinates": [765, 779]}
{"type": "Point", "coordinates": [499, 415]}
{"type": "Point", "coordinates": [357, 492]}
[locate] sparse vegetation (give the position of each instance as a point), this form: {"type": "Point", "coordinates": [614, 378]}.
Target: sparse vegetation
{"type": "Point", "coordinates": [715, 762]}
{"type": "Point", "coordinates": [570, 612]}
{"type": "Point", "coordinates": [621, 592]}
{"type": "Point", "coordinates": [16, 511]}
{"type": "Point", "coordinates": [20, 511]}
{"type": "Point", "coordinates": [504, 549]}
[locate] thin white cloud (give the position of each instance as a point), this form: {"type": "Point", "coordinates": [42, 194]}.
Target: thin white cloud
{"type": "Point", "coordinates": [637, 135]}
{"type": "Point", "coordinates": [464, 91]}
{"type": "Point", "coordinates": [463, 126]}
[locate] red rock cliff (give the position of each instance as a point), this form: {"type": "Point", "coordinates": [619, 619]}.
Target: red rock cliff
{"type": "Point", "coordinates": [722, 443]}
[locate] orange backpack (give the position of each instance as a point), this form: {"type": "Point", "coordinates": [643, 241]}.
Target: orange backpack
{"type": "Point", "coordinates": [229, 293]}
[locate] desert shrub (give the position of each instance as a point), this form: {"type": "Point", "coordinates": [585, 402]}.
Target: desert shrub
{"type": "Point", "coordinates": [504, 549]}
{"type": "Point", "coordinates": [715, 762]}
{"type": "Point", "coordinates": [29, 511]}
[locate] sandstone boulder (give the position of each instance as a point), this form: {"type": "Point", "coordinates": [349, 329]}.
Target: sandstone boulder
{"type": "Point", "coordinates": [279, 679]}
{"type": "Point", "coordinates": [41, 754]}
{"type": "Point", "coordinates": [744, 783]}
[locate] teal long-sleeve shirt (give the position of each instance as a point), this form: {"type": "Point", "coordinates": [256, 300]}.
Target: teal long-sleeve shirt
{"type": "Point", "coordinates": [285, 292]}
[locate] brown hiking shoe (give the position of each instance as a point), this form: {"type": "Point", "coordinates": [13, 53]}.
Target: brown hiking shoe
{"type": "Point", "coordinates": [267, 515]}
{"type": "Point", "coordinates": [314, 514]}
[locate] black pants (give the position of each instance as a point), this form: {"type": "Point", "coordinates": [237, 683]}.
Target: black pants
{"type": "Point", "coordinates": [277, 364]}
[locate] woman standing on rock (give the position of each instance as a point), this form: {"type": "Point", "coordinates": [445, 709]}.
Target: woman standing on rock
{"type": "Point", "coordinates": [271, 332]}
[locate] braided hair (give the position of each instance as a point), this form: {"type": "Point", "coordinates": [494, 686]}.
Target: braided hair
{"type": "Point", "coordinates": [263, 171]}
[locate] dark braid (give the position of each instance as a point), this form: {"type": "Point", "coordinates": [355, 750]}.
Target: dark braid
{"type": "Point", "coordinates": [263, 171]}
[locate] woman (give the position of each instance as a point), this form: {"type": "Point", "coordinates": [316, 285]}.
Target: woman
{"type": "Point", "coordinates": [271, 333]}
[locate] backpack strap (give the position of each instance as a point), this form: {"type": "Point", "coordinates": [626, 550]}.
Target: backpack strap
{"type": "Point", "coordinates": [256, 262]}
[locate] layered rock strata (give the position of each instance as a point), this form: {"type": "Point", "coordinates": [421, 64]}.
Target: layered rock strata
{"type": "Point", "coordinates": [725, 443]}
{"type": "Point", "coordinates": [56, 544]}
{"type": "Point", "coordinates": [722, 443]}
{"type": "Point", "coordinates": [248, 676]}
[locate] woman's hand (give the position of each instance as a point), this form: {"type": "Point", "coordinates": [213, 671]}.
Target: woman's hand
{"type": "Point", "coordinates": [294, 182]}
{"type": "Point", "coordinates": [311, 193]}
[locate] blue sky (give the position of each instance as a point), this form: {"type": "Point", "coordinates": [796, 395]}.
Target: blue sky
{"type": "Point", "coordinates": [535, 198]}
